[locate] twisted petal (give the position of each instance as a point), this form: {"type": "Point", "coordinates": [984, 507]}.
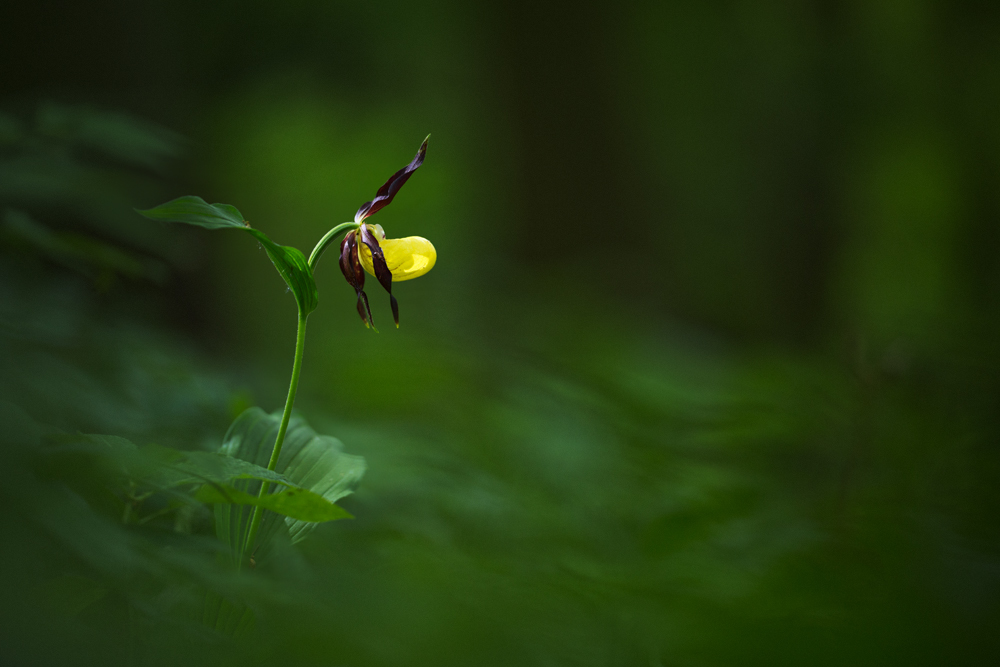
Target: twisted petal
{"type": "Point", "coordinates": [406, 258]}
{"type": "Point", "coordinates": [381, 272]}
{"type": "Point", "coordinates": [392, 186]}
{"type": "Point", "coordinates": [351, 268]}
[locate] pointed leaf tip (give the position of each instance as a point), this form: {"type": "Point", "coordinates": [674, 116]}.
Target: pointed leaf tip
{"type": "Point", "coordinates": [289, 261]}
{"type": "Point", "coordinates": [196, 211]}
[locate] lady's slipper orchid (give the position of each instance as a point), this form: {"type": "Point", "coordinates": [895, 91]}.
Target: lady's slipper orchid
{"type": "Point", "coordinates": [367, 248]}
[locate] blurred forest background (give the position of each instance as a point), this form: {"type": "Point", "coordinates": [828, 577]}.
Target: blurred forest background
{"type": "Point", "coordinates": [706, 373]}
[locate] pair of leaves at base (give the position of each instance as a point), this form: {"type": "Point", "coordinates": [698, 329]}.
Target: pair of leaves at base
{"type": "Point", "coordinates": [289, 261]}
{"type": "Point", "coordinates": [215, 475]}
{"type": "Point", "coordinates": [308, 460]}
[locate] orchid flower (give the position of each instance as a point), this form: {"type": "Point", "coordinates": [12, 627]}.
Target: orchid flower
{"type": "Point", "coordinates": [367, 248]}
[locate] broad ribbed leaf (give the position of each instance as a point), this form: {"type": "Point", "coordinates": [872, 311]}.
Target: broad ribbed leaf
{"type": "Point", "coordinates": [165, 467]}
{"type": "Point", "coordinates": [308, 460]}
{"type": "Point", "coordinates": [289, 261]}
{"type": "Point", "coordinates": [218, 467]}
{"type": "Point", "coordinates": [295, 503]}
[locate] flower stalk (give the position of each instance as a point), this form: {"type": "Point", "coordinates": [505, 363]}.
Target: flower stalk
{"type": "Point", "coordinates": [384, 258]}
{"type": "Point", "coordinates": [265, 486]}
{"type": "Point", "coordinates": [328, 238]}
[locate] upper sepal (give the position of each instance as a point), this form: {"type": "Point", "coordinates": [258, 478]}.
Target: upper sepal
{"type": "Point", "coordinates": [385, 193]}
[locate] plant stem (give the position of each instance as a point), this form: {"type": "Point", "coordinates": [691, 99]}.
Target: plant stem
{"type": "Point", "coordinates": [258, 513]}
{"type": "Point", "coordinates": [327, 240]}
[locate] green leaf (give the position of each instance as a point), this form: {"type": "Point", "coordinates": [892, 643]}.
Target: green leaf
{"type": "Point", "coordinates": [217, 476]}
{"type": "Point", "coordinates": [221, 468]}
{"type": "Point", "coordinates": [294, 268]}
{"type": "Point", "coordinates": [289, 261]}
{"type": "Point", "coordinates": [164, 468]}
{"type": "Point", "coordinates": [308, 460]}
{"type": "Point", "coordinates": [295, 503]}
{"type": "Point", "coordinates": [196, 211]}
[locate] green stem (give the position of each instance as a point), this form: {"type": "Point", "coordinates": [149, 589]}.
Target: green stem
{"type": "Point", "coordinates": [327, 239]}
{"type": "Point", "coordinates": [258, 513]}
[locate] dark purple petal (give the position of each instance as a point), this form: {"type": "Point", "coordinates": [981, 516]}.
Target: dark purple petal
{"type": "Point", "coordinates": [382, 271]}
{"type": "Point", "coordinates": [365, 311]}
{"type": "Point", "coordinates": [392, 186]}
{"type": "Point", "coordinates": [349, 247]}
{"type": "Point", "coordinates": [351, 267]}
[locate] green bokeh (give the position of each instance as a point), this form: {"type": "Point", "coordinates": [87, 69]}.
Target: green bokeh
{"type": "Point", "coordinates": [706, 372]}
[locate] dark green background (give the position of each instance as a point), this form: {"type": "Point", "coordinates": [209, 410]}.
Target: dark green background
{"type": "Point", "coordinates": [706, 373]}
